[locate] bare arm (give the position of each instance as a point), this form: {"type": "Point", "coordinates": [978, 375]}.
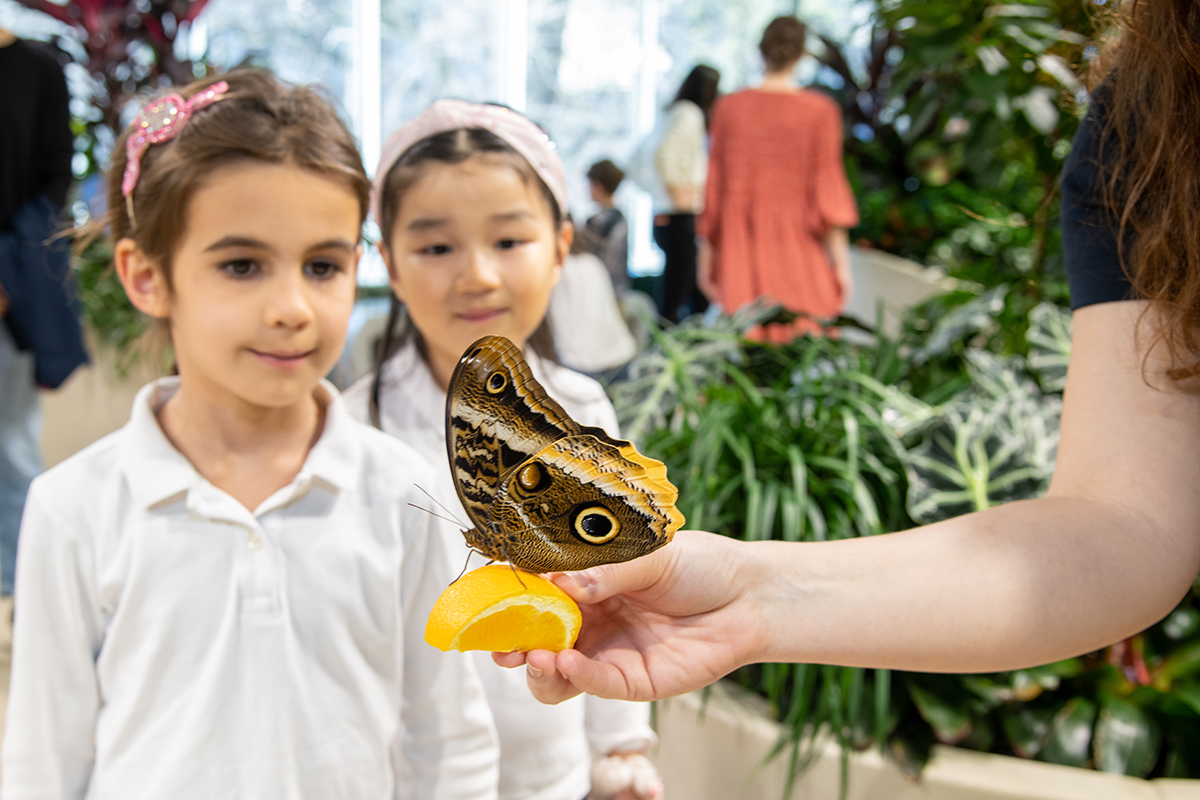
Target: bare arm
{"type": "Point", "coordinates": [1109, 550]}
{"type": "Point", "coordinates": [837, 242]}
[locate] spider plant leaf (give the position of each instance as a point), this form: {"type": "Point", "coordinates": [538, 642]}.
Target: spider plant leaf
{"type": "Point", "coordinates": [883, 700]}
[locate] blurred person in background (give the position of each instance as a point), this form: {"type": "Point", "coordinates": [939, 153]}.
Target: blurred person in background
{"type": "Point", "coordinates": [608, 232]}
{"type": "Point", "coordinates": [681, 162]}
{"type": "Point", "coordinates": [778, 205]}
{"type": "Point", "coordinates": [41, 342]}
{"type": "Point", "coordinates": [591, 333]}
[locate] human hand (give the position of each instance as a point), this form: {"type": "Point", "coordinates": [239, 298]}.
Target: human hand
{"type": "Point", "coordinates": [704, 272]}
{"type": "Point", "coordinates": [658, 626]}
{"type": "Point", "coordinates": [846, 282]}
{"type": "Point", "coordinates": [625, 776]}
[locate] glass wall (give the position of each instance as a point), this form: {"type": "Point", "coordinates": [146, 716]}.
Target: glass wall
{"type": "Point", "coordinates": [597, 74]}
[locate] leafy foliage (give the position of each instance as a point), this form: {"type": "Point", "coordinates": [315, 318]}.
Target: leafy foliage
{"type": "Point", "coordinates": [959, 117]}
{"type": "Point", "coordinates": [822, 439]}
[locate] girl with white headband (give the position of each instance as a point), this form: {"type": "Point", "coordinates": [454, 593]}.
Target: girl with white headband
{"type": "Point", "coordinates": [471, 202]}
{"type": "Point", "coordinates": [227, 597]}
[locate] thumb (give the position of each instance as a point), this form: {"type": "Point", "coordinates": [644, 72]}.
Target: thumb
{"type": "Point", "coordinates": [602, 582]}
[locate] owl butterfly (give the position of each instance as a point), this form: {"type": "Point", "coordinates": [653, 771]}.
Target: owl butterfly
{"type": "Point", "coordinates": [545, 493]}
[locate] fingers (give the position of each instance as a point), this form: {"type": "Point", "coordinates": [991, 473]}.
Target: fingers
{"type": "Point", "coordinates": [600, 583]}
{"type": "Point", "coordinates": [508, 660]}
{"type": "Point", "coordinates": [598, 678]}
{"type": "Point", "coordinates": [546, 683]}
{"type": "Point", "coordinates": [551, 685]}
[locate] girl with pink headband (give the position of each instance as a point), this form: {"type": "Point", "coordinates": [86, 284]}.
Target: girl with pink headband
{"type": "Point", "coordinates": [471, 202]}
{"type": "Point", "coordinates": [227, 597]}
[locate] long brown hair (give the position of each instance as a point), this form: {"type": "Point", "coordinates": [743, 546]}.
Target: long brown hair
{"type": "Point", "coordinates": [1152, 188]}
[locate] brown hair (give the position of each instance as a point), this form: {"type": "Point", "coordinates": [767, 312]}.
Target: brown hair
{"type": "Point", "coordinates": [259, 119]}
{"type": "Point", "coordinates": [607, 174]}
{"type": "Point", "coordinates": [782, 42]}
{"type": "Point", "coordinates": [1153, 187]}
{"type": "Point", "coordinates": [447, 147]}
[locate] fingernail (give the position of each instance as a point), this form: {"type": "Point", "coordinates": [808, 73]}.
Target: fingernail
{"type": "Point", "coordinates": [534, 672]}
{"type": "Point", "coordinates": [581, 580]}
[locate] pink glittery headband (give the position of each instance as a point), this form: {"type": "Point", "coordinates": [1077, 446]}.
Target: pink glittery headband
{"type": "Point", "coordinates": [447, 115]}
{"type": "Point", "coordinates": [158, 122]}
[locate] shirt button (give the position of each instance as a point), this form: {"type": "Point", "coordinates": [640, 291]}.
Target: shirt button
{"type": "Point", "coordinates": [254, 541]}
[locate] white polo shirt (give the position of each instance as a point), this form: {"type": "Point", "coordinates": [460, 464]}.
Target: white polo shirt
{"type": "Point", "coordinates": [544, 750]}
{"type": "Point", "coordinates": [169, 643]}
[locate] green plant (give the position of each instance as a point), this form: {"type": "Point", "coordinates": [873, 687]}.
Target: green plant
{"type": "Point", "coordinates": [959, 115]}
{"type": "Point", "coordinates": [109, 314]}
{"type": "Point", "coordinates": [825, 439]}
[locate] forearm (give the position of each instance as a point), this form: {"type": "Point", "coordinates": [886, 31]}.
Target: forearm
{"type": "Point", "coordinates": [1021, 584]}
{"type": "Point", "coordinates": [837, 242]}
{"type": "Point", "coordinates": [684, 199]}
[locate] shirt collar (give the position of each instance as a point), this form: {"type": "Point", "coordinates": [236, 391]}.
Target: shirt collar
{"type": "Point", "coordinates": [158, 472]}
{"type": "Point", "coordinates": [408, 370]}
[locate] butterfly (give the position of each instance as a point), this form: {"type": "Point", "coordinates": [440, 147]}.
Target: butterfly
{"type": "Point", "coordinates": [543, 492]}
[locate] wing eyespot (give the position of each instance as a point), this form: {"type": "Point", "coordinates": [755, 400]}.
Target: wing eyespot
{"type": "Point", "coordinates": [533, 477]}
{"type": "Point", "coordinates": [595, 524]}
{"type": "Point", "coordinates": [497, 382]}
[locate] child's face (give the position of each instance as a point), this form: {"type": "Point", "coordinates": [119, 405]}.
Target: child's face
{"type": "Point", "coordinates": [263, 283]}
{"type": "Point", "coordinates": [474, 252]}
{"type": "Point", "coordinates": [598, 193]}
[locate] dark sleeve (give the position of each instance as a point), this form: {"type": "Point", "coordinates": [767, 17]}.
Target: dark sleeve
{"type": "Point", "coordinates": [1089, 230]}
{"type": "Point", "coordinates": [55, 141]}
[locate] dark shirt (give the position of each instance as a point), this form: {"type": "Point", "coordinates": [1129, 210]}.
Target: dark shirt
{"type": "Point", "coordinates": [608, 239]}
{"type": "Point", "coordinates": [1089, 228]}
{"type": "Point", "coordinates": [36, 144]}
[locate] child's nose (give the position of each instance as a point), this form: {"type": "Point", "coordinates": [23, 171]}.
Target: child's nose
{"type": "Point", "coordinates": [482, 272]}
{"type": "Point", "coordinates": [290, 305]}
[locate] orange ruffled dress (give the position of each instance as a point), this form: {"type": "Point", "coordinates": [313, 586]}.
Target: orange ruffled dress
{"type": "Point", "coordinates": [776, 185]}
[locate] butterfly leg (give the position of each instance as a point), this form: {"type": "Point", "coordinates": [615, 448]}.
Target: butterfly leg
{"type": "Point", "coordinates": [516, 573]}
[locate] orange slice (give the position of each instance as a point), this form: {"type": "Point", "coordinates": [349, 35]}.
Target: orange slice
{"type": "Point", "coordinates": [489, 609]}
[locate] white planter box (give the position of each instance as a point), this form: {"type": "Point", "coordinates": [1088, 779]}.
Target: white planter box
{"type": "Point", "coordinates": [715, 751]}
{"type": "Point", "coordinates": [897, 283]}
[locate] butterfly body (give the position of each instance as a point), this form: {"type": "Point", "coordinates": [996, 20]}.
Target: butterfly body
{"type": "Point", "coordinates": [544, 492]}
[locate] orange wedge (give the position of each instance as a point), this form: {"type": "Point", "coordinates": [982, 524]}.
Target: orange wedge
{"type": "Point", "coordinates": [490, 609]}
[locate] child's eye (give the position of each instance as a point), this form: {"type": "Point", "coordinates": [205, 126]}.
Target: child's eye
{"type": "Point", "coordinates": [323, 269]}
{"type": "Point", "coordinates": [508, 244]}
{"type": "Point", "coordinates": [241, 268]}
{"type": "Point", "coordinates": [435, 250]}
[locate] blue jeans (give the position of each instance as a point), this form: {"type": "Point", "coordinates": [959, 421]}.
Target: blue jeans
{"type": "Point", "coordinates": [20, 450]}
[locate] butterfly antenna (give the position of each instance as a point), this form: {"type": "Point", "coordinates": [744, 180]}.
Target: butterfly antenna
{"type": "Point", "coordinates": [434, 514]}
{"type": "Point", "coordinates": [437, 503]}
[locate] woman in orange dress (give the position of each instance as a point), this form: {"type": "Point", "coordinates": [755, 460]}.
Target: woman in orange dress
{"type": "Point", "coordinates": [778, 206]}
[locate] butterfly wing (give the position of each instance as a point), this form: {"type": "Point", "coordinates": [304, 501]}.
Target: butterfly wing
{"type": "Point", "coordinates": [497, 417]}
{"type": "Point", "coordinates": [583, 501]}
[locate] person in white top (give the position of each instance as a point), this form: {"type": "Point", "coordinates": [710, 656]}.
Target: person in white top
{"type": "Point", "coordinates": [471, 203]}
{"type": "Point", "coordinates": [681, 163]}
{"type": "Point", "coordinates": [227, 597]}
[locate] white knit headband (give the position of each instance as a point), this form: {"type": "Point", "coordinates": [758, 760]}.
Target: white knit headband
{"type": "Point", "coordinates": [447, 115]}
